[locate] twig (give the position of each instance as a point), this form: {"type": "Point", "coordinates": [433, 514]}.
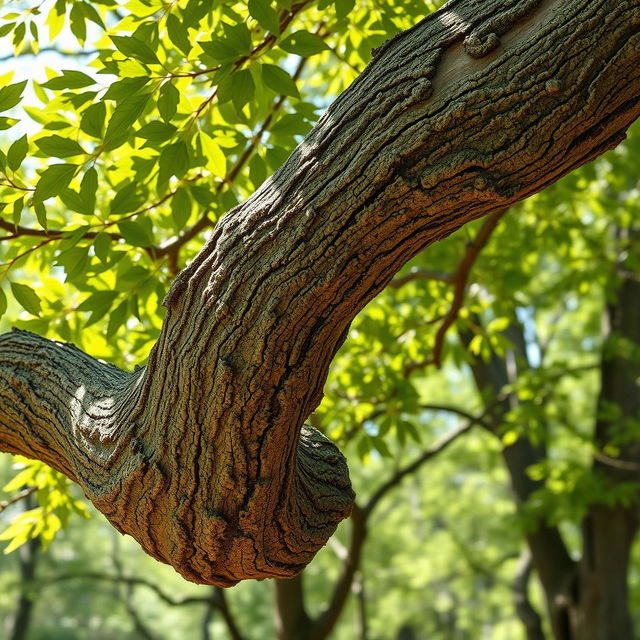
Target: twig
{"type": "Point", "coordinates": [397, 477]}
{"type": "Point", "coordinates": [105, 577]}
{"type": "Point", "coordinates": [421, 274]}
{"type": "Point", "coordinates": [21, 495]}
{"type": "Point", "coordinates": [460, 279]}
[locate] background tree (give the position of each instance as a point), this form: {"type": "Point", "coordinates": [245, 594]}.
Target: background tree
{"type": "Point", "coordinates": [116, 259]}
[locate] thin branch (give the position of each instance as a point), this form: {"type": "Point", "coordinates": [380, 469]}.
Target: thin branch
{"type": "Point", "coordinates": [207, 618]}
{"type": "Point", "coordinates": [21, 495]}
{"type": "Point", "coordinates": [227, 616]}
{"type": "Point", "coordinates": [460, 279]}
{"type": "Point", "coordinates": [479, 420]}
{"type": "Point", "coordinates": [140, 627]}
{"type": "Point", "coordinates": [421, 274]}
{"type": "Point", "coordinates": [402, 473]}
{"type": "Point", "coordinates": [105, 577]}
{"type": "Point", "coordinates": [61, 52]}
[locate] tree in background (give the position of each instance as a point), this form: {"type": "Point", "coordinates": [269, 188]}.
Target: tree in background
{"type": "Point", "coordinates": [448, 133]}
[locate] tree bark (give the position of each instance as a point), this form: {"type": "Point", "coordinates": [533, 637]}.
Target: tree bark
{"type": "Point", "coordinates": [201, 455]}
{"type": "Point", "coordinates": [610, 527]}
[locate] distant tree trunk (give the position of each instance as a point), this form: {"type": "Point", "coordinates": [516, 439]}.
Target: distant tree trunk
{"type": "Point", "coordinates": [201, 456]}
{"type": "Point", "coordinates": [609, 530]}
{"type": "Point", "coordinates": [550, 556]}
{"type": "Point", "coordinates": [588, 599]}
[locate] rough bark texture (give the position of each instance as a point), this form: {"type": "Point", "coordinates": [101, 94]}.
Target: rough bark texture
{"type": "Point", "coordinates": [200, 456]}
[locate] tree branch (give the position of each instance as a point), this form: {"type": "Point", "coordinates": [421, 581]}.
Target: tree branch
{"type": "Point", "coordinates": [459, 279]}
{"type": "Point", "coordinates": [202, 455]}
{"type": "Point", "coordinates": [402, 473]}
{"type": "Point", "coordinates": [21, 495]}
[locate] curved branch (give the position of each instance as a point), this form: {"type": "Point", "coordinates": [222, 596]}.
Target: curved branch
{"type": "Point", "coordinates": [201, 456]}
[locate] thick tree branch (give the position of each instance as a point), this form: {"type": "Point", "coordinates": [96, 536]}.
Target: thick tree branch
{"type": "Point", "coordinates": [201, 456]}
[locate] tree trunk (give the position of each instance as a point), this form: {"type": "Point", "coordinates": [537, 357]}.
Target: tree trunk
{"type": "Point", "coordinates": [201, 455]}
{"type": "Point", "coordinates": [609, 529]}
{"type": "Point", "coordinates": [549, 554]}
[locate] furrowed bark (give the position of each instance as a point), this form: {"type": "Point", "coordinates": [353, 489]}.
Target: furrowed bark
{"type": "Point", "coordinates": [200, 456]}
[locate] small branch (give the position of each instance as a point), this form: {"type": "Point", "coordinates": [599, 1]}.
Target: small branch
{"type": "Point", "coordinates": [139, 626]}
{"type": "Point", "coordinates": [361, 599]}
{"type": "Point", "coordinates": [421, 274]}
{"type": "Point", "coordinates": [225, 612]}
{"type": "Point", "coordinates": [397, 477]}
{"type": "Point", "coordinates": [460, 279]}
{"type": "Point", "coordinates": [21, 495]}
{"type": "Point", "coordinates": [105, 577]}
{"type": "Point", "coordinates": [35, 54]}
{"type": "Point", "coordinates": [208, 615]}
{"type": "Point", "coordinates": [479, 420]}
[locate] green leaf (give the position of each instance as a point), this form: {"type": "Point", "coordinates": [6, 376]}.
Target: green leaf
{"type": "Point", "coordinates": [156, 131]}
{"type": "Point", "coordinates": [135, 234]}
{"type": "Point", "coordinates": [303, 43]}
{"type": "Point", "coordinates": [3, 303]}
{"type": "Point", "coordinates": [19, 33]}
{"type": "Point", "coordinates": [180, 208]}
{"type": "Point", "coordinates": [17, 153]}
{"type": "Point", "coordinates": [69, 80]}
{"type": "Point", "coordinates": [257, 170]}
{"type": "Point", "coordinates": [90, 13]}
{"type": "Point", "coordinates": [291, 124]}
{"type": "Point", "coordinates": [125, 88]}
{"type": "Point", "coordinates": [101, 246]}
{"type": "Point", "coordinates": [220, 51]}
{"type": "Point", "coordinates": [77, 23]}
{"type": "Point", "coordinates": [178, 34]}
{"type": "Point", "coordinates": [18, 206]}
{"type": "Point", "coordinates": [344, 7]}
{"type": "Point", "coordinates": [242, 88]}
{"type": "Point", "coordinates": [92, 121]}
{"type": "Point", "coordinates": [7, 123]}
{"type": "Point", "coordinates": [41, 214]}
{"type": "Point", "coordinates": [11, 95]}
{"type": "Point", "coordinates": [85, 201]}
{"type": "Point", "coordinates": [174, 161]}
{"type": "Point", "coordinates": [133, 48]}
{"type": "Point", "coordinates": [124, 115]}
{"type": "Point", "coordinates": [74, 201]}
{"type": "Point", "coordinates": [168, 101]}
{"type": "Point", "coordinates": [238, 37]}
{"type": "Point", "coordinates": [216, 160]}
{"type": "Point", "coordinates": [75, 261]}
{"type": "Point", "coordinates": [59, 147]}
{"type": "Point", "coordinates": [117, 318]}
{"type": "Point", "coordinates": [53, 180]}
{"type": "Point", "coordinates": [265, 15]}
{"type": "Point", "coordinates": [99, 301]}
{"type": "Point", "coordinates": [27, 298]}
{"type": "Point", "coordinates": [128, 199]}
{"type": "Point", "coordinates": [279, 80]}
